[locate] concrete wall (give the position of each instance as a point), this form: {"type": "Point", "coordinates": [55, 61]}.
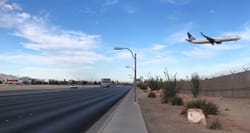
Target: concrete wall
{"type": "Point", "coordinates": [233, 85]}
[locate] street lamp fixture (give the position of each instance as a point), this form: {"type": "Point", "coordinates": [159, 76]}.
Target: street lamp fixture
{"type": "Point", "coordinates": [118, 48]}
{"type": "Point", "coordinates": [134, 57]}
{"type": "Point", "coordinates": [129, 67]}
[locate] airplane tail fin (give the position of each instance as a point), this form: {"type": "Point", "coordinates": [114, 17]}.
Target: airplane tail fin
{"type": "Point", "coordinates": [190, 37]}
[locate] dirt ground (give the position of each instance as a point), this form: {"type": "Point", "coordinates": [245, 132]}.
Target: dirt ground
{"type": "Point", "coordinates": [234, 115]}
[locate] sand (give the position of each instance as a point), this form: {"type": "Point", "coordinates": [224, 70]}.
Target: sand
{"type": "Point", "coordinates": [234, 115]}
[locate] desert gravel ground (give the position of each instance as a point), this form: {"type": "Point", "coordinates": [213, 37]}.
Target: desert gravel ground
{"type": "Point", "coordinates": [165, 118]}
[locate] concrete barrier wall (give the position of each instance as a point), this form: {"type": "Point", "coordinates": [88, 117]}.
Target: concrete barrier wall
{"type": "Point", "coordinates": [233, 85]}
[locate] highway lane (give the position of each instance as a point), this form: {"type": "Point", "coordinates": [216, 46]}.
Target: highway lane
{"type": "Point", "coordinates": [28, 91]}
{"type": "Point", "coordinates": [71, 111]}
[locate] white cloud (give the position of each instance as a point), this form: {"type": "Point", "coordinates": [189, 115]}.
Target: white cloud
{"type": "Point", "coordinates": [200, 52]}
{"type": "Point", "coordinates": [244, 34]}
{"type": "Point", "coordinates": [222, 68]}
{"type": "Point", "coordinates": [176, 2]}
{"type": "Point", "coordinates": [222, 47]}
{"type": "Point", "coordinates": [130, 9]}
{"type": "Point", "coordinates": [158, 47]}
{"type": "Point", "coordinates": [177, 37]}
{"type": "Point", "coordinates": [180, 35]}
{"type": "Point", "coordinates": [44, 39]}
{"type": "Point", "coordinates": [57, 73]}
{"type": "Point", "coordinates": [43, 36]}
{"type": "Point", "coordinates": [123, 55]}
{"type": "Point", "coordinates": [8, 7]}
{"type": "Point", "coordinates": [63, 58]}
{"type": "Point", "coordinates": [156, 55]}
{"type": "Point", "coordinates": [110, 2]}
{"type": "Point", "coordinates": [88, 11]}
{"type": "Point", "coordinates": [209, 51]}
{"type": "Point", "coordinates": [50, 45]}
{"type": "Point", "coordinates": [159, 61]}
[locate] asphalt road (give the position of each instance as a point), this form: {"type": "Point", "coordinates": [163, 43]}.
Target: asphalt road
{"type": "Point", "coordinates": [67, 111]}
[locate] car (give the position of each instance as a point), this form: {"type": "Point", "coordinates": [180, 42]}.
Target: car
{"type": "Point", "coordinates": [73, 86]}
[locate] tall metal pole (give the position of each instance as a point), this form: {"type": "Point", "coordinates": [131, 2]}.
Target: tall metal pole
{"type": "Point", "coordinates": [134, 56]}
{"type": "Point", "coordinates": [135, 77]}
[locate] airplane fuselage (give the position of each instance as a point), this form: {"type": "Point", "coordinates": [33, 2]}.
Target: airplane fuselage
{"type": "Point", "coordinates": [217, 40]}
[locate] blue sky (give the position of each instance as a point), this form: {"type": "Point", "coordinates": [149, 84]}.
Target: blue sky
{"type": "Point", "coordinates": [63, 39]}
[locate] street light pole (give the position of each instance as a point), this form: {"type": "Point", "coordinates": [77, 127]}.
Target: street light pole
{"type": "Point", "coordinates": [135, 78]}
{"type": "Point", "coordinates": [134, 57]}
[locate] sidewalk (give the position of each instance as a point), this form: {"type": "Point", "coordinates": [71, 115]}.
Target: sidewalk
{"type": "Point", "coordinates": [127, 117]}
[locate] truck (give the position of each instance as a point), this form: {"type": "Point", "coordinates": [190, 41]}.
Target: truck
{"type": "Point", "coordinates": [106, 82]}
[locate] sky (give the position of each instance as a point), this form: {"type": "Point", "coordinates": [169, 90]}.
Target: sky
{"type": "Point", "coordinates": [65, 39]}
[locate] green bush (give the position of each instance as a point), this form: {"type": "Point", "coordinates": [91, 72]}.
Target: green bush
{"type": "Point", "coordinates": [170, 88]}
{"type": "Point", "coordinates": [155, 83]}
{"type": "Point", "coordinates": [206, 107]}
{"type": "Point", "coordinates": [151, 95]}
{"type": "Point", "coordinates": [215, 125]}
{"type": "Point", "coordinates": [142, 86]}
{"type": "Point", "coordinates": [176, 101]}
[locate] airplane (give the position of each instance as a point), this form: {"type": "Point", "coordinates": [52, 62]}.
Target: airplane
{"type": "Point", "coordinates": [211, 40]}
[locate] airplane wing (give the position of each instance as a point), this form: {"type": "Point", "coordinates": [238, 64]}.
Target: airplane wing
{"type": "Point", "coordinates": [210, 39]}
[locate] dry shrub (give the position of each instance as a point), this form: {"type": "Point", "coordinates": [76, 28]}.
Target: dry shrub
{"type": "Point", "coordinates": [215, 125]}
{"type": "Point", "coordinates": [205, 106]}
{"type": "Point", "coordinates": [151, 95]}
{"type": "Point", "coordinates": [177, 101]}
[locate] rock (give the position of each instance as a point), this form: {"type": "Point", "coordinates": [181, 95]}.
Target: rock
{"type": "Point", "coordinates": [149, 89]}
{"type": "Point", "coordinates": [195, 115]}
{"type": "Point", "coordinates": [161, 93]}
